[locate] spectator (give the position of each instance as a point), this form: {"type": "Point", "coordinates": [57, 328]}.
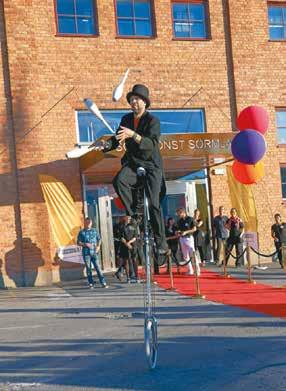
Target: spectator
{"type": "Point", "coordinates": [199, 235]}
{"type": "Point", "coordinates": [235, 227]}
{"type": "Point", "coordinates": [90, 241]}
{"type": "Point", "coordinates": [186, 228]}
{"type": "Point", "coordinates": [172, 239]}
{"type": "Point", "coordinates": [220, 233]}
{"type": "Point", "coordinates": [116, 238]}
{"type": "Point", "coordinates": [278, 233]}
{"type": "Point", "coordinates": [128, 252]}
{"type": "Point", "coordinates": [171, 230]}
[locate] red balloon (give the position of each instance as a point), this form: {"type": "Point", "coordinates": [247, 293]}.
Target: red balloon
{"type": "Point", "coordinates": [253, 117]}
{"type": "Point", "coordinates": [248, 173]}
{"type": "Point", "coordinates": [118, 203]}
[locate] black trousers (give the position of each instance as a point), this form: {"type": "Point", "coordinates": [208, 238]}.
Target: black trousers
{"type": "Point", "coordinates": [126, 184]}
{"type": "Point", "coordinates": [279, 252]}
{"type": "Point", "coordinates": [238, 249]}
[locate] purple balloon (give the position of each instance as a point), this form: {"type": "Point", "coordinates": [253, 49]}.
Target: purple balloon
{"type": "Point", "coordinates": [248, 146]}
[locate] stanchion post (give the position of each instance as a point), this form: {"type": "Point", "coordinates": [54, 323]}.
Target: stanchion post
{"type": "Point", "coordinates": [250, 280]}
{"type": "Point", "coordinates": [198, 294]}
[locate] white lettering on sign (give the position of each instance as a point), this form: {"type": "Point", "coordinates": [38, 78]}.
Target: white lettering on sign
{"type": "Point", "coordinates": [193, 144]}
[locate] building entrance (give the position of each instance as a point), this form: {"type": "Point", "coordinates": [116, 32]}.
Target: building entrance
{"type": "Point", "coordinates": [100, 206]}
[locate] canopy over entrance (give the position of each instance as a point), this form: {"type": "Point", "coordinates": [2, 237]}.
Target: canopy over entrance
{"type": "Point", "coordinates": [181, 153]}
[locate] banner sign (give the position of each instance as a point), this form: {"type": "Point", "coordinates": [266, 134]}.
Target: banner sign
{"type": "Point", "coordinates": [71, 253]}
{"type": "Point", "coordinates": [250, 239]}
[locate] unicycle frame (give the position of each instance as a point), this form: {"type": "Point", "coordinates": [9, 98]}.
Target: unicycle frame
{"type": "Point", "coordinates": [150, 323]}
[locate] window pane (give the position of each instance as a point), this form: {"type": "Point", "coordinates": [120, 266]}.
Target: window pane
{"type": "Point", "coordinates": [281, 135]}
{"type": "Point", "coordinates": [67, 25]}
{"type": "Point", "coordinates": [198, 30]}
{"type": "Point", "coordinates": [182, 30]}
{"type": "Point", "coordinates": [283, 174]}
{"type": "Point", "coordinates": [124, 8]}
{"type": "Point", "coordinates": [284, 191]}
{"type": "Point", "coordinates": [142, 9]}
{"type": "Point", "coordinates": [85, 26]}
{"type": "Point", "coordinates": [275, 15]}
{"type": "Point", "coordinates": [197, 12]}
{"type": "Point", "coordinates": [65, 7]}
{"type": "Point", "coordinates": [276, 32]}
{"type": "Point", "coordinates": [180, 11]}
{"type": "Point", "coordinates": [125, 27]}
{"type": "Point", "coordinates": [189, 121]}
{"type": "Point", "coordinates": [84, 7]}
{"type": "Point", "coordinates": [176, 121]}
{"type": "Point", "coordinates": [143, 28]}
{"type": "Point", "coordinates": [281, 118]}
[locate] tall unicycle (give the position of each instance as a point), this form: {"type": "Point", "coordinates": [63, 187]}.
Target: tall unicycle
{"type": "Point", "coordinates": [150, 321]}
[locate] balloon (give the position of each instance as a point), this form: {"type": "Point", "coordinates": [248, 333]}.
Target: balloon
{"type": "Point", "coordinates": [248, 173]}
{"type": "Point", "coordinates": [248, 146]}
{"type": "Point", "coordinates": [118, 203]}
{"type": "Point", "coordinates": [253, 117]}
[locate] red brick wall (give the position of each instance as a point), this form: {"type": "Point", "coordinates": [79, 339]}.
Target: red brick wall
{"type": "Point", "coordinates": [43, 67]}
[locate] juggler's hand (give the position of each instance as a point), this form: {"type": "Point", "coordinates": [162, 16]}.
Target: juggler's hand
{"type": "Point", "coordinates": [123, 134]}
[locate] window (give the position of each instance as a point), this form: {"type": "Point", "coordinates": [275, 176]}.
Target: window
{"type": "Point", "coordinates": [283, 181]}
{"type": "Point", "coordinates": [172, 121]}
{"type": "Point", "coordinates": [281, 126]}
{"type": "Point", "coordinates": [277, 21]}
{"type": "Point", "coordinates": [189, 19]}
{"type": "Point", "coordinates": [134, 18]}
{"type": "Point", "coordinates": [76, 17]}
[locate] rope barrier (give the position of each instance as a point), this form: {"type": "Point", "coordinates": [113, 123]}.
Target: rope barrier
{"type": "Point", "coordinates": [234, 257]}
{"type": "Point", "coordinates": [265, 255]}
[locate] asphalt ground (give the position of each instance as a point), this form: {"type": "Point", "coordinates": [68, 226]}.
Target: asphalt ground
{"type": "Point", "coordinates": [71, 338]}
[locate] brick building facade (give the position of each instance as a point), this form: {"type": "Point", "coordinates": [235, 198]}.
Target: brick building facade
{"type": "Point", "coordinates": [236, 66]}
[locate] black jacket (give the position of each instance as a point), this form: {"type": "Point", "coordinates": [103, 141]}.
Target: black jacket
{"type": "Point", "coordinates": [145, 154]}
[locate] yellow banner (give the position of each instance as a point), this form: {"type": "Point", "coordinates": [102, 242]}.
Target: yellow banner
{"type": "Point", "coordinates": [243, 200]}
{"type": "Point", "coordinates": [64, 219]}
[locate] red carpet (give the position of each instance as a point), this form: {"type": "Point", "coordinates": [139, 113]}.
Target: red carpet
{"type": "Point", "coordinates": [261, 298]}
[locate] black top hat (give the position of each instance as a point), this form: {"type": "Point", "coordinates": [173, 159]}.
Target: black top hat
{"type": "Point", "coordinates": [141, 91]}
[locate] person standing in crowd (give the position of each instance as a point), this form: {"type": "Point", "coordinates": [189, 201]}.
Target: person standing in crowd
{"type": "Point", "coordinates": [116, 238]}
{"type": "Point", "coordinates": [128, 236]}
{"type": "Point", "coordinates": [171, 230]}
{"type": "Point", "coordinates": [278, 233]}
{"type": "Point", "coordinates": [235, 226]}
{"type": "Point", "coordinates": [199, 235]}
{"type": "Point", "coordinates": [186, 228]}
{"type": "Point", "coordinates": [172, 239]}
{"type": "Point", "coordinates": [90, 241]}
{"type": "Point", "coordinates": [220, 233]}
{"type": "Point", "coordinates": [140, 132]}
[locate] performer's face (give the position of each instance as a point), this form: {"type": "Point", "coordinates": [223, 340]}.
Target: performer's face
{"type": "Point", "coordinates": [278, 219]}
{"type": "Point", "coordinates": [137, 104]}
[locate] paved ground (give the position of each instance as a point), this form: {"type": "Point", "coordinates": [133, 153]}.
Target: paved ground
{"type": "Point", "coordinates": [71, 338]}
